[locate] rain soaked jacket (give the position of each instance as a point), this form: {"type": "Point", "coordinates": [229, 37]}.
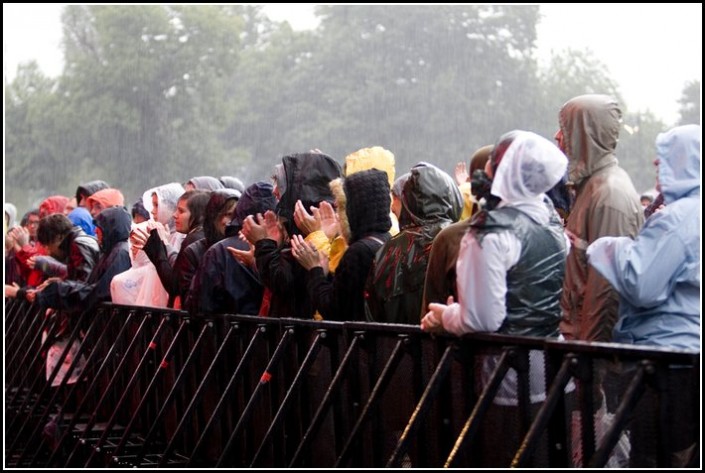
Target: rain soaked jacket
{"type": "Point", "coordinates": [222, 284]}
{"type": "Point", "coordinates": [606, 204]}
{"type": "Point", "coordinates": [307, 179]}
{"type": "Point", "coordinates": [657, 275]}
{"type": "Point", "coordinates": [75, 296]}
{"type": "Point", "coordinates": [363, 200]}
{"type": "Point", "coordinates": [430, 201]}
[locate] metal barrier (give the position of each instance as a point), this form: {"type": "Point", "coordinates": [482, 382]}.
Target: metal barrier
{"type": "Point", "coordinates": [163, 389]}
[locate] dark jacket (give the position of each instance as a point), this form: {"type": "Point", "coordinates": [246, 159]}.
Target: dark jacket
{"type": "Point", "coordinates": [307, 179]}
{"type": "Point", "coordinates": [222, 284]}
{"type": "Point", "coordinates": [74, 296]}
{"type": "Point", "coordinates": [365, 224]}
{"type": "Point", "coordinates": [430, 201]}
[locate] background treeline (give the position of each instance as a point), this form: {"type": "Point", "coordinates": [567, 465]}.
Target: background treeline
{"type": "Point", "coordinates": [154, 94]}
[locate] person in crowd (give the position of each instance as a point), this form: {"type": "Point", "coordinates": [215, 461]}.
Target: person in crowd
{"type": "Point", "coordinates": [70, 205]}
{"type": "Point", "coordinates": [232, 183]}
{"type": "Point", "coordinates": [206, 183]}
{"type": "Point", "coordinates": [188, 219]}
{"type": "Point", "coordinates": [53, 205]}
{"type": "Point", "coordinates": [103, 199]}
{"type": "Point", "coordinates": [362, 200]}
{"type": "Point", "coordinates": [510, 272]}
{"type": "Point", "coordinates": [10, 216]}
{"type": "Point", "coordinates": [657, 274]}
{"type": "Point", "coordinates": [79, 252]}
{"type": "Point", "coordinates": [430, 201]}
{"type": "Point", "coordinates": [22, 239]}
{"type": "Point", "coordinates": [140, 285]}
{"type": "Point", "coordinates": [657, 277]}
{"type": "Point", "coordinates": [51, 267]}
{"type": "Point", "coordinates": [75, 295]}
{"type": "Point", "coordinates": [78, 293]}
{"type": "Point", "coordinates": [606, 204]}
{"type": "Point", "coordinates": [440, 272]}
{"type": "Point", "coordinates": [657, 204]}
{"type": "Point", "coordinates": [87, 189]}
{"type": "Point", "coordinates": [646, 200]}
{"type": "Point", "coordinates": [139, 213]}
{"type": "Point", "coordinates": [223, 284]}
{"type": "Point", "coordinates": [325, 234]}
{"type": "Point", "coordinates": [13, 273]}
{"type": "Point", "coordinates": [301, 177]}
{"type": "Point", "coordinates": [82, 218]}
{"type": "Point", "coordinates": [397, 189]}
{"type": "Point", "coordinates": [217, 216]}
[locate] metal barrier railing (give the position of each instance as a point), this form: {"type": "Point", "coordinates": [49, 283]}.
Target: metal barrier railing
{"type": "Point", "coordinates": [163, 389]}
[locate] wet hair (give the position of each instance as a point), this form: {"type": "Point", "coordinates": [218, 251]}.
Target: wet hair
{"type": "Point", "coordinates": [52, 227]}
{"type": "Point", "coordinates": [500, 148]}
{"type": "Point", "coordinates": [196, 201]}
{"type": "Point", "coordinates": [25, 217]}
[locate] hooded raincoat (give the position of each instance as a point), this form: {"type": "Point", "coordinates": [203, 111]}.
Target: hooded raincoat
{"type": "Point", "coordinates": [606, 204]}
{"type": "Point", "coordinates": [657, 274]}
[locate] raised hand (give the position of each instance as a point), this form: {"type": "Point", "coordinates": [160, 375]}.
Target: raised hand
{"type": "Point", "coordinates": [329, 220]}
{"type": "Point", "coordinates": [252, 230]}
{"type": "Point", "coordinates": [272, 226]}
{"type": "Point", "coordinates": [461, 173]}
{"type": "Point", "coordinates": [306, 222]}
{"type": "Point", "coordinates": [245, 257]}
{"type": "Point", "coordinates": [306, 254]}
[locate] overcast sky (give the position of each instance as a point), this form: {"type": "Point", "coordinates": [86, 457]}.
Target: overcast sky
{"type": "Point", "coordinates": [650, 50]}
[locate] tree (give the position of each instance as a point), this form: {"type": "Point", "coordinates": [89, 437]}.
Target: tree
{"type": "Point", "coordinates": [152, 80]}
{"type": "Point", "coordinates": [32, 117]}
{"type": "Point", "coordinates": [690, 104]}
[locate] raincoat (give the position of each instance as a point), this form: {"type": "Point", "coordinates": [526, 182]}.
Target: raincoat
{"type": "Point", "coordinates": [657, 274]}
{"type": "Point", "coordinates": [606, 204]}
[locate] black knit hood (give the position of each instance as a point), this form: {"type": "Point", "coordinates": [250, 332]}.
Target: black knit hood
{"type": "Point", "coordinates": [363, 201]}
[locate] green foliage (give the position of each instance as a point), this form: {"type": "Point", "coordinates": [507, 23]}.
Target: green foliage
{"type": "Point", "coordinates": [152, 94]}
{"type": "Point", "coordinates": [690, 104]}
{"type": "Point", "coordinates": [637, 149]}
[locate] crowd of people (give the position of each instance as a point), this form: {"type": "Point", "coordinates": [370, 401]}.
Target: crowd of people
{"type": "Point", "coordinates": [539, 239]}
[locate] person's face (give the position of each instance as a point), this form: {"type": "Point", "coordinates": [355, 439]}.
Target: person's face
{"type": "Point", "coordinates": [155, 207]}
{"type": "Point", "coordinates": [396, 205]}
{"type": "Point", "coordinates": [32, 225]}
{"type": "Point", "coordinates": [53, 248]}
{"type": "Point", "coordinates": [560, 140]}
{"type": "Point", "coordinates": [189, 186]}
{"type": "Point", "coordinates": [225, 218]}
{"type": "Point", "coordinates": [138, 218]}
{"type": "Point", "coordinates": [96, 208]}
{"type": "Point", "coordinates": [182, 215]}
{"type": "Point", "coordinates": [70, 205]}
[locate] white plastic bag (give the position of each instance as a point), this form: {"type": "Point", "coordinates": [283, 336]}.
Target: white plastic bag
{"type": "Point", "coordinates": [53, 355]}
{"type": "Point", "coordinates": [619, 458]}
